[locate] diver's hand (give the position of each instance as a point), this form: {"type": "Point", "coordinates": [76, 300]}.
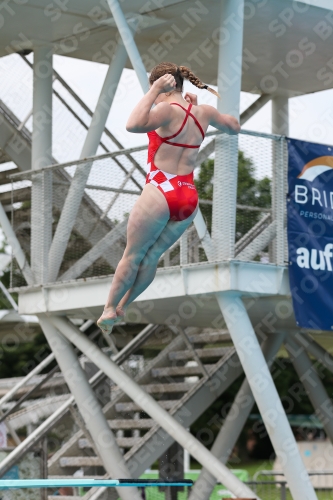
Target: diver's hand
{"type": "Point", "coordinates": [165, 83]}
{"type": "Point", "coordinates": [191, 98]}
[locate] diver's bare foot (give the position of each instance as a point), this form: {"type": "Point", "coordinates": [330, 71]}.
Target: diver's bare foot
{"type": "Point", "coordinates": [121, 311]}
{"type": "Point", "coordinates": [107, 320]}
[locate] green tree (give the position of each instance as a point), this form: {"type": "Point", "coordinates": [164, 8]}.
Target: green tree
{"type": "Point", "coordinates": [204, 185]}
{"type": "Point", "coordinates": [16, 359]}
{"type": "Point", "coordinates": [5, 278]}
{"type": "Point", "coordinates": [250, 192]}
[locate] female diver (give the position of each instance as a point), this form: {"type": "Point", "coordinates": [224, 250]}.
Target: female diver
{"type": "Point", "coordinates": [176, 127]}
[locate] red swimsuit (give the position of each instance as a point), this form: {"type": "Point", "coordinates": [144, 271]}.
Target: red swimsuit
{"type": "Point", "coordinates": [179, 190]}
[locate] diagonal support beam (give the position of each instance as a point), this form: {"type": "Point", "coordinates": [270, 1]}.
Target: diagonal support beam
{"type": "Point", "coordinates": [316, 350]}
{"type": "Point", "coordinates": [234, 423]}
{"type": "Point", "coordinates": [265, 394]}
{"type": "Point", "coordinates": [255, 107]}
{"type": "Point", "coordinates": [16, 247]}
{"type": "Point", "coordinates": [101, 248]}
{"type": "Point", "coordinates": [89, 407]}
{"type": "Point", "coordinates": [204, 235]}
{"type": "Point", "coordinates": [314, 387]}
{"type": "Point", "coordinates": [259, 243]}
{"type": "Point", "coordinates": [48, 424]}
{"type": "Point", "coordinates": [128, 41]}
{"type": "Point", "coordinates": [250, 236]}
{"type": "Point", "coordinates": [152, 408]}
{"type": "Point", "coordinates": [76, 191]}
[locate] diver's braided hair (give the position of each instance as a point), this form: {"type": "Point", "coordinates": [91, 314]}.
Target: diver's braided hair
{"type": "Point", "coordinates": [179, 73]}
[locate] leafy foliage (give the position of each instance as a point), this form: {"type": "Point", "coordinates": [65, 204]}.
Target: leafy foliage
{"type": "Point", "coordinates": [250, 192]}
{"type": "Point", "coordinates": [294, 400]}
{"type": "Point", "coordinates": [18, 359]}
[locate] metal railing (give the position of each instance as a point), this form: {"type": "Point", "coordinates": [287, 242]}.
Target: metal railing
{"type": "Point", "coordinates": [51, 421]}
{"type": "Point", "coordinates": [259, 211]}
{"type": "Point", "coordinates": [265, 489]}
{"type": "Point", "coordinates": [10, 395]}
{"type": "Point", "coordinates": [321, 479]}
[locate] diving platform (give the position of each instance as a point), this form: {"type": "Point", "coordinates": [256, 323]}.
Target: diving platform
{"type": "Point", "coordinates": [180, 295]}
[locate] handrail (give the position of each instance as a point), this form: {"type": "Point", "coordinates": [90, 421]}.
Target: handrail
{"type": "Point", "coordinates": [22, 382]}
{"type": "Point", "coordinates": [129, 349]}
{"type": "Point", "coordinates": [50, 422]}
{"type": "Point", "coordinates": [79, 162]}
{"type": "Point", "coordinates": [190, 346]}
{"type": "Point", "coordinates": [24, 132]}
{"type": "Point", "coordinates": [26, 396]}
{"type": "Point", "coordinates": [43, 364]}
{"type": "Point", "coordinates": [124, 152]}
{"type": "Point", "coordinates": [40, 384]}
{"type": "Point", "coordinates": [281, 473]}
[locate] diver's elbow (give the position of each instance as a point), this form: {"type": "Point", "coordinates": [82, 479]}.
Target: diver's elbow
{"type": "Point", "coordinates": [130, 127]}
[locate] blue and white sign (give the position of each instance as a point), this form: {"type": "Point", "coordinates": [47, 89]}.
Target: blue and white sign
{"type": "Point", "coordinates": [310, 233]}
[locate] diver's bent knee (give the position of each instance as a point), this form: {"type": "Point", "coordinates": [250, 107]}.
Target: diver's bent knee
{"type": "Point", "coordinates": [151, 258]}
{"type": "Point", "coordinates": [133, 260]}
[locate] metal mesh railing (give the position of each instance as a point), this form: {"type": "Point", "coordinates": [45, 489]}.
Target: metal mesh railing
{"type": "Point", "coordinates": [71, 117]}
{"type": "Point", "coordinates": [254, 195]}
{"type": "Point", "coordinates": [104, 206]}
{"type": "Point", "coordinates": [116, 180]}
{"type": "Point", "coordinates": [114, 183]}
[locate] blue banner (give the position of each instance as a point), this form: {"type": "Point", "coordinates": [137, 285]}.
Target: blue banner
{"type": "Point", "coordinates": [310, 233]}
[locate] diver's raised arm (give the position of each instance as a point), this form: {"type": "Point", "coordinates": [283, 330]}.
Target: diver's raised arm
{"type": "Point", "coordinates": [143, 118]}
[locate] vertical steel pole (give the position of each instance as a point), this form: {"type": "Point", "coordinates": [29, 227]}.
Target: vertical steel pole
{"type": "Point", "coordinates": [314, 387]}
{"type": "Point", "coordinates": [233, 424]}
{"type": "Point", "coordinates": [283, 491]}
{"type": "Point", "coordinates": [43, 467]}
{"type": "Point", "coordinates": [265, 394]}
{"type": "Point", "coordinates": [94, 134]}
{"type": "Point", "coordinates": [89, 407]}
{"type": "Point", "coordinates": [280, 126]}
{"type": "Point", "coordinates": [41, 155]}
{"type": "Point", "coordinates": [280, 115]}
{"type": "Point", "coordinates": [226, 146]}
{"type": "Point", "coordinates": [184, 249]}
